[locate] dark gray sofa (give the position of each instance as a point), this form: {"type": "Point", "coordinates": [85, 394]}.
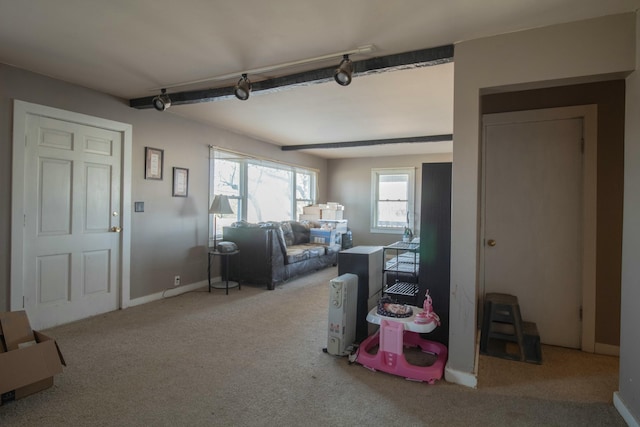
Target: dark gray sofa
{"type": "Point", "coordinates": [273, 252]}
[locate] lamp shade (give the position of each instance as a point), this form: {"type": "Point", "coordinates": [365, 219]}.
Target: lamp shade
{"type": "Point", "coordinates": [220, 205]}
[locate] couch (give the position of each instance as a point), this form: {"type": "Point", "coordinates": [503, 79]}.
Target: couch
{"type": "Point", "coordinates": [271, 253]}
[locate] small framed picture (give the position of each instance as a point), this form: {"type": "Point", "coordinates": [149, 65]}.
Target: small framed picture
{"type": "Point", "coordinates": [180, 182]}
{"type": "Point", "coordinates": [153, 160]}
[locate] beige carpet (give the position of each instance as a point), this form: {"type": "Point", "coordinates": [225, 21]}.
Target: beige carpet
{"type": "Point", "coordinates": [254, 358]}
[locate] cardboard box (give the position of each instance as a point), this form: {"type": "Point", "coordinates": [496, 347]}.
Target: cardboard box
{"type": "Point", "coordinates": [308, 217]}
{"type": "Point", "coordinates": [312, 210]}
{"type": "Point", "coordinates": [332, 214]}
{"type": "Point", "coordinates": [28, 359]}
{"type": "Point", "coordinates": [322, 236]}
{"type": "Point", "coordinates": [339, 225]}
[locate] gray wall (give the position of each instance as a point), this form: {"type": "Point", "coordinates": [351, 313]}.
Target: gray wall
{"type": "Point", "coordinates": [630, 315]}
{"type": "Point", "coordinates": [171, 236]}
{"type": "Point", "coordinates": [349, 183]}
{"type": "Point", "coordinates": [597, 49]}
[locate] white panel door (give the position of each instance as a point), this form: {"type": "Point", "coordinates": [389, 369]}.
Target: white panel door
{"type": "Point", "coordinates": [72, 221]}
{"type": "Point", "coordinates": [533, 222]}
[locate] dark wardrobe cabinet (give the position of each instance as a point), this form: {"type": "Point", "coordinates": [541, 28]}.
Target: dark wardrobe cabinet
{"type": "Point", "coordinates": [435, 243]}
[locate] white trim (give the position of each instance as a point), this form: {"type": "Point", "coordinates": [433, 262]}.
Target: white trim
{"type": "Point", "coordinates": [172, 292]}
{"type": "Point", "coordinates": [607, 349]}
{"type": "Point", "coordinates": [125, 265]}
{"type": "Point", "coordinates": [589, 115]}
{"type": "Point", "coordinates": [21, 110]}
{"type": "Point", "coordinates": [411, 197]}
{"type": "Point", "coordinates": [239, 155]}
{"type": "Point", "coordinates": [17, 205]}
{"type": "Point", "coordinates": [624, 412]}
{"type": "Point", "coordinates": [467, 379]}
{"type": "Point", "coordinates": [462, 378]}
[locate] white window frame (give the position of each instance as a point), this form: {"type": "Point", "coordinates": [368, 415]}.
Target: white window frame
{"type": "Point", "coordinates": [245, 161]}
{"type": "Point", "coordinates": [375, 181]}
{"type": "Point", "coordinates": [314, 188]}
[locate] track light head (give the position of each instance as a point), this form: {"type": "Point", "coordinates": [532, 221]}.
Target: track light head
{"type": "Point", "coordinates": [162, 102]}
{"type": "Point", "coordinates": [243, 88]}
{"type": "Point", "coordinates": [343, 73]}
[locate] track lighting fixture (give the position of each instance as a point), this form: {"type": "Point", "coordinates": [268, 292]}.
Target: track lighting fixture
{"type": "Point", "coordinates": [243, 88]}
{"type": "Point", "coordinates": [343, 73]}
{"type": "Point", "coordinates": [162, 102]}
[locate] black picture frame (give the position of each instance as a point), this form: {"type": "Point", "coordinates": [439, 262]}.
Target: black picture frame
{"type": "Point", "coordinates": [153, 163]}
{"type": "Point", "coordinates": [180, 182]}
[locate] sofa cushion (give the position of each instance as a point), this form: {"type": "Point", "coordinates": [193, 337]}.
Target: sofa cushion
{"type": "Point", "coordinates": [244, 224]}
{"type": "Point", "coordinates": [288, 235]}
{"type": "Point", "coordinates": [296, 254]}
{"type": "Point", "coordinates": [300, 232]}
{"type": "Point", "coordinates": [305, 251]}
{"type": "Point", "coordinates": [281, 242]}
{"type": "Point", "coordinates": [315, 250]}
{"type": "Point", "coordinates": [278, 232]}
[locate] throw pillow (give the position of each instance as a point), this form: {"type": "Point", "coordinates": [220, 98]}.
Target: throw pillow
{"type": "Point", "coordinates": [289, 239]}
{"type": "Point", "coordinates": [300, 232]}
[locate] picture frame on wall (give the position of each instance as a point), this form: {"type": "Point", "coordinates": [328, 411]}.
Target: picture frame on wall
{"type": "Point", "coordinates": [180, 182]}
{"type": "Point", "coordinates": [153, 163]}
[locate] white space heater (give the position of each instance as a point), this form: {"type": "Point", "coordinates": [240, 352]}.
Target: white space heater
{"type": "Point", "coordinates": [343, 297]}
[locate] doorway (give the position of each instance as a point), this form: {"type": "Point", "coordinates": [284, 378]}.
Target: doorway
{"type": "Point", "coordinates": [538, 218]}
{"type": "Point", "coordinates": [70, 224]}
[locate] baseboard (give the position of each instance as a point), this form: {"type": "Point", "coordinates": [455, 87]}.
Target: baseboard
{"type": "Point", "coordinates": [623, 411]}
{"type": "Point", "coordinates": [171, 292]}
{"type": "Point", "coordinates": [466, 379]}
{"type": "Point", "coordinates": [607, 349]}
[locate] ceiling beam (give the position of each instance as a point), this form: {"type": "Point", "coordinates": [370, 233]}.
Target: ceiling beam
{"type": "Point", "coordinates": [367, 143]}
{"type": "Point", "coordinates": [400, 61]}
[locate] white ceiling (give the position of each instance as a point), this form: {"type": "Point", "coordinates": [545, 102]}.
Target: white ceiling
{"type": "Point", "coordinates": [129, 47]}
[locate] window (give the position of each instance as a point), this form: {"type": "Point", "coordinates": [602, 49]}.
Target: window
{"type": "Point", "coordinates": [259, 190]}
{"type": "Point", "coordinates": [391, 200]}
{"type": "Point", "coordinates": [305, 190]}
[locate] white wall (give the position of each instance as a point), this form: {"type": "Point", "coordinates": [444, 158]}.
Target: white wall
{"type": "Point", "coordinates": [629, 393]}
{"type": "Point", "coordinates": [602, 47]}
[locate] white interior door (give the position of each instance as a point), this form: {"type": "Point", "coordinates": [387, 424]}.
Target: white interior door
{"type": "Point", "coordinates": [72, 206]}
{"type": "Point", "coordinates": [533, 222]}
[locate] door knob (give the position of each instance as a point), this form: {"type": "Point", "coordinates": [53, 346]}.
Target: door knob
{"type": "Point", "coordinates": [116, 229]}
{"type": "Point", "coordinates": [491, 242]}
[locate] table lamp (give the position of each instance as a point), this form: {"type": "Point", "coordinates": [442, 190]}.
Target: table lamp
{"type": "Point", "coordinates": [219, 206]}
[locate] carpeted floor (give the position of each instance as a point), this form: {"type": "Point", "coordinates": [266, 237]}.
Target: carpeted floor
{"type": "Point", "coordinates": [254, 358]}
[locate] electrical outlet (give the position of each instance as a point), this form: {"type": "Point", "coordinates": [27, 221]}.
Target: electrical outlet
{"type": "Point", "coordinates": [176, 281]}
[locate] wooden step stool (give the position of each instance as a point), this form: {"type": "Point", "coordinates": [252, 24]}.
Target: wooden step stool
{"type": "Point", "coordinates": [503, 328]}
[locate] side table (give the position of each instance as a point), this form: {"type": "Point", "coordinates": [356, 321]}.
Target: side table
{"type": "Point", "coordinates": [224, 257]}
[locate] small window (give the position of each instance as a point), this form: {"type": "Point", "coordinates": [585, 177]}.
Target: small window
{"type": "Point", "coordinates": [392, 200]}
